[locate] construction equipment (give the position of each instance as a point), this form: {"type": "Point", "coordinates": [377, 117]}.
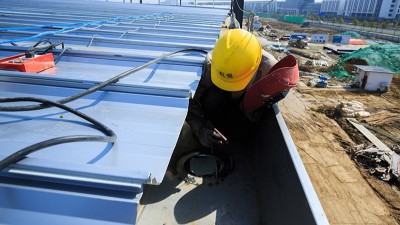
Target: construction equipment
{"type": "Point", "coordinates": [306, 24]}
{"type": "Point", "coordinates": [23, 64]}
{"type": "Point", "coordinates": [299, 42]}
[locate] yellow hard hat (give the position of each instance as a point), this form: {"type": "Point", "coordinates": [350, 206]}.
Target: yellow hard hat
{"type": "Point", "coordinates": [235, 59]}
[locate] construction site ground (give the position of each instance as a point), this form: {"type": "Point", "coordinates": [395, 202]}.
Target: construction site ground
{"type": "Point", "coordinates": [348, 193]}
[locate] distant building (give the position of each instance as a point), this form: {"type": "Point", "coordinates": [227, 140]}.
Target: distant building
{"type": "Point", "coordinates": [373, 78]}
{"type": "Point", "coordinates": [297, 4]}
{"type": "Point", "coordinates": [332, 8]}
{"type": "Point", "coordinates": [312, 8]}
{"type": "Point", "coordinates": [319, 38]}
{"type": "Point", "coordinates": [372, 9]}
{"type": "Point", "coordinates": [295, 7]}
{"type": "Point", "coordinates": [341, 39]}
{"type": "Point", "coordinates": [390, 9]}
{"type": "Point", "coordinates": [362, 9]}
{"type": "Point", "coordinates": [261, 6]}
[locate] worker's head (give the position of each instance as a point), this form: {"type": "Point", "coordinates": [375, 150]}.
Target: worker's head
{"type": "Point", "coordinates": [235, 60]}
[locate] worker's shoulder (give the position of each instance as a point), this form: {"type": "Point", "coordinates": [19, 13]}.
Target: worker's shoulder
{"type": "Point", "coordinates": [268, 60]}
{"type": "Point", "coordinates": [267, 56]}
{"type": "Point", "coordinates": [208, 58]}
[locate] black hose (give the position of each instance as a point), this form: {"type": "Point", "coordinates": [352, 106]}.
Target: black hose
{"type": "Point", "coordinates": [20, 154]}
{"type": "Point", "coordinates": [60, 55]}
{"type": "Point", "coordinates": [42, 50]}
{"type": "Point", "coordinates": [99, 86]}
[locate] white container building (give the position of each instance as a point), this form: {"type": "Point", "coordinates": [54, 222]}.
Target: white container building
{"type": "Point", "coordinates": [373, 78]}
{"type": "Point", "coordinates": [341, 39]}
{"type": "Point", "coordinates": [319, 38]}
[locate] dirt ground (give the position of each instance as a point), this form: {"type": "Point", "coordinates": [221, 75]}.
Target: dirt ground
{"type": "Point", "coordinates": [281, 28]}
{"type": "Point", "coordinates": [314, 51]}
{"type": "Point", "coordinates": [348, 193]}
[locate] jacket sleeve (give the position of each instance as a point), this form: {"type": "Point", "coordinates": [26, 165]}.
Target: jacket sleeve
{"type": "Point", "coordinates": [195, 117]}
{"type": "Point", "coordinates": [267, 62]}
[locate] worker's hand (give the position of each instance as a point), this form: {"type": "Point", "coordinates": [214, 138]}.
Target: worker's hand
{"type": "Point", "coordinates": [275, 98]}
{"type": "Point", "coordinates": [209, 137]}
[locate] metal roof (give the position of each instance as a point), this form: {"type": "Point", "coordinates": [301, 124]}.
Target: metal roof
{"type": "Point", "coordinates": [97, 183]}
{"type": "Point", "coordinates": [377, 69]}
{"type": "Point", "coordinates": [146, 110]}
{"type": "Point", "coordinates": [81, 182]}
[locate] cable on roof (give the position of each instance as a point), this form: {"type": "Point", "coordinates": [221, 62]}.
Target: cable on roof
{"type": "Point", "coordinates": [62, 28]}
{"type": "Point", "coordinates": [35, 49]}
{"type": "Point", "coordinates": [20, 154]}
{"type": "Point", "coordinates": [99, 86]}
{"type": "Point", "coordinates": [111, 136]}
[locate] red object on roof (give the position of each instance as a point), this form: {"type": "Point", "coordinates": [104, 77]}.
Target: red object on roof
{"type": "Point", "coordinates": [31, 65]}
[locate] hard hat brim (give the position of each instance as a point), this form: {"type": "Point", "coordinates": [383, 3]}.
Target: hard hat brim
{"type": "Point", "coordinates": [223, 84]}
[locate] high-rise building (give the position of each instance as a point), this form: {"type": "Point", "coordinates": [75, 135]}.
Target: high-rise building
{"type": "Point", "coordinates": [261, 6]}
{"type": "Point", "coordinates": [332, 8]}
{"type": "Point", "coordinates": [372, 9]}
{"type": "Point", "coordinates": [362, 9]}
{"type": "Point", "coordinates": [300, 7]}
{"type": "Point", "coordinates": [390, 9]}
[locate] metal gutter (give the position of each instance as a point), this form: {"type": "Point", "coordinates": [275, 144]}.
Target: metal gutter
{"type": "Point", "coordinates": [310, 194]}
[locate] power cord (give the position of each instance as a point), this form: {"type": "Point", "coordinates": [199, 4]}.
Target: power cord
{"type": "Point", "coordinates": [111, 136]}
{"type": "Point", "coordinates": [99, 86]}
{"type": "Point", "coordinates": [20, 154]}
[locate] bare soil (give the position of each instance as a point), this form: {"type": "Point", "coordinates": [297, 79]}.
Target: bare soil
{"type": "Point", "coordinates": [282, 28]}
{"type": "Point", "coordinates": [348, 193]}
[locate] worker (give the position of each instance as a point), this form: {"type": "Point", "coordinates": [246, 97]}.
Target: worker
{"type": "Point", "coordinates": [216, 114]}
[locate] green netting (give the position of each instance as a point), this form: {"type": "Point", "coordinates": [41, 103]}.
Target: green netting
{"type": "Point", "coordinates": [294, 19]}
{"type": "Point", "coordinates": [385, 55]}
{"type": "Point", "coordinates": [270, 15]}
{"type": "Point", "coordinates": [340, 72]}
{"type": "Point", "coordinates": [353, 34]}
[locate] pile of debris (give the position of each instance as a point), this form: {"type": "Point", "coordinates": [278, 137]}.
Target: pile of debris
{"type": "Point", "coordinates": [352, 109]}
{"type": "Point", "coordinates": [320, 81]}
{"type": "Point", "coordinates": [319, 63]}
{"type": "Point", "coordinates": [382, 163]}
{"type": "Point", "coordinates": [380, 160]}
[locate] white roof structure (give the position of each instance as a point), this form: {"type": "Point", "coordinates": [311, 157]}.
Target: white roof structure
{"type": "Point", "coordinates": [377, 69]}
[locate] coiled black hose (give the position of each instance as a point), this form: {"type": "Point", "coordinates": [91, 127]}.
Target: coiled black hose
{"type": "Point", "coordinates": [18, 155]}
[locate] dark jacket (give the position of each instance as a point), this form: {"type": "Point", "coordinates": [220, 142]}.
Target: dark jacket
{"type": "Point", "coordinates": [212, 107]}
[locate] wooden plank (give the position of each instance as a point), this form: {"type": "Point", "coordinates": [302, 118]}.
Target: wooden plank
{"type": "Point", "coordinates": [371, 137]}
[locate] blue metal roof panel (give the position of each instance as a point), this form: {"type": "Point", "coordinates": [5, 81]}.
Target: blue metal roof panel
{"type": "Point", "coordinates": [146, 109]}
{"type": "Point", "coordinates": [147, 127]}
{"type": "Point", "coordinates": [78, 183]}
